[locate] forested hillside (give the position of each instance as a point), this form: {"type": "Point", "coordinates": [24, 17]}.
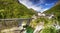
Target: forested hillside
{"type": "Point", "coordinates": [14, 9]}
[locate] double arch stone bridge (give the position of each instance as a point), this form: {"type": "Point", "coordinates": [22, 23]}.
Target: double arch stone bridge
{"type": "Point", "coordinates": [19, 20]}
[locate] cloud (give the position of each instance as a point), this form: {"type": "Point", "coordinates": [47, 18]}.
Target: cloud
{"type": "Point", "coordinates": [27, 3]}
{"type": "Point", "coordinates": [49, 4]}
{"type": "Point", "coordinates": [30, 4]}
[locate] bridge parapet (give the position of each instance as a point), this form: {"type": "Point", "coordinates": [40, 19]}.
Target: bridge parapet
{"type": "Point", "coordinates": [19, 20]}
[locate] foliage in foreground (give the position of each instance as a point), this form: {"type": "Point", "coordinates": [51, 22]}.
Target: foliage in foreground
{"type": "Point", "coordinates": [49, 29]}
{"type": "Point", "coordinates": [29, 29]}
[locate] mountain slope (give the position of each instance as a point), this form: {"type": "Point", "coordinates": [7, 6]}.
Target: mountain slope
{"type": "Point", "coordinates": [55, 10]}
{"type": "Point", "coordinates": [14, 9]}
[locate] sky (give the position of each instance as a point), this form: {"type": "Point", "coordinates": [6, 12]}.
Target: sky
{"type": "Point", "coordinates": [39, 5]}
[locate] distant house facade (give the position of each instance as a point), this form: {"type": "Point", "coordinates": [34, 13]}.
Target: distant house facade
{"type": "Point", "coordinates": [49, 16]}
{"type": "Point", "coordinates": [39, 14]}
